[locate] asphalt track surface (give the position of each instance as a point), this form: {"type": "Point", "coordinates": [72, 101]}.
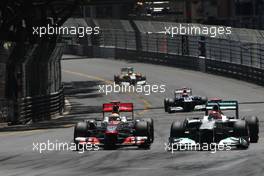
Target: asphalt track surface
{"type": "Point", "coordinates": [82, 77]}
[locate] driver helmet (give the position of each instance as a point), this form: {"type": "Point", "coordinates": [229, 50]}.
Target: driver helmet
{"type": "Point", "coordinates": [216, 108]}
{"type": "Point", "coordinates": [184, 93]}
{"type": "Point", "coordinates": [114, 117]}
{"type": "Point", "coordinates": [115, 109]}
{"type": "Point", "coordinates": [215, 113]}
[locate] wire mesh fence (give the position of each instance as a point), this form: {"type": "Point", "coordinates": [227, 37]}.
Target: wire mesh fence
{"type": "Point", "coordinates": [242, 46]}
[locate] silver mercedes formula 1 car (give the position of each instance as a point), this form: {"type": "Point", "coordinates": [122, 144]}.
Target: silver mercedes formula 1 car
{"type": "Point", "coordinates": [216, 128]}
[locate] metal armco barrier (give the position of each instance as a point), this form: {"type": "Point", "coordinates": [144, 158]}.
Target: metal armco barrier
{"type": "Point", "coordinates": [40, 107]}
{"type": "Point", "coordinates": [159, 58]}
{"type": "Point", "coordinates": [239, 55]}
{"type": "Point", "coordinates": [238, 71]}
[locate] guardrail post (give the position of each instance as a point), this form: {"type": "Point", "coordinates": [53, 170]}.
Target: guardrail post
{"type": "Point", "coordinates": [201, 47]}
{"type": "Point", "coordinates": [178, 46]}
{"type": "Point", "coordinates": [185, 45]}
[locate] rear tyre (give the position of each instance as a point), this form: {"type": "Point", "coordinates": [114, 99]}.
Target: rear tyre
{"type": "Point", "coordinates": [116, 79]}
{"type": "Point", "coordinates": [142, 128]}
{"type": "Point", "coordinates": [151, 124]}
{"type": "Point", "coordinates": [253, 124]}
{"type": "Point", "coordinates": [178, 129]}
{"type": "Point", "coordinates": [143, 78]}
{"type": "Point", "coordinates": [241, 130]}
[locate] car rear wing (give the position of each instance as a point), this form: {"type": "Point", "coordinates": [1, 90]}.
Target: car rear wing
{"type": "Point", "coordinates": [180, 91]}
{"type": "Point", "coordinates": [223, 105]}
{"type": "Point", "coordinates": [122, 107]}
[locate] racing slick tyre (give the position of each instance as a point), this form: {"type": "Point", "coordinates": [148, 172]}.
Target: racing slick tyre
{"type": "Point", "coordinates": [166, 100]}
{"type": "Point", "coordinates": [142, 128]}
{"type": "Point", "coordinates": [204, 100]}
{"type": "Point", "coordinates": [241, 129]}
{"type": "Point", "coordinates": [151, 124]}
{"type": "Point", "coordinates": [80, 129]}
{"type": "Point", "coordinates": [178, 129]}
{"type": "Point", "coordinates": [142, 78]}
{"type": "Point", "coordinates": [116, 79]}
{"type": "Point", "coordinates": [253, 125]}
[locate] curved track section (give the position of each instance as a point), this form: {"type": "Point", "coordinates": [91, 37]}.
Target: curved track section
{"type": "Point", "coordinates": [82, 77]}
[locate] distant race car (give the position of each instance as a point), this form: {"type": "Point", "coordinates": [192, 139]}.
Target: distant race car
{"type": "Point", "coordinates": [115, 130]}
{"type": "Point", "coordinates": [129, 77]}
{"type": "Point", "coordinates": [216, 128]}
{"type": "Point", "coordinates": [184, 101]}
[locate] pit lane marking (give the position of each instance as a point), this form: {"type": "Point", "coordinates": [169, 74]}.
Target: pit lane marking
{"type": "Point", "coordinates": [146, 103]}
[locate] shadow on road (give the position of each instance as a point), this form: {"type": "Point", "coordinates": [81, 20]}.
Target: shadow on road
{"type": "Point", "coordinates": [75, 92]}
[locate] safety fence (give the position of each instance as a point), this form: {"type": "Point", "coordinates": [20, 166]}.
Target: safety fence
{"type": "Point", "coordinates": [239, 55]}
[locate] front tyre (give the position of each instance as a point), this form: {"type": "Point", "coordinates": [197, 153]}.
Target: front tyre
{"type": "Point", "coordinates": [80, 129]}
{"type": "Point", "coordinates": [166, 100]}
{"type": "Point", "coordinates": [168, 103]}
{"type": "Point", "coordinates": [142, 128]}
